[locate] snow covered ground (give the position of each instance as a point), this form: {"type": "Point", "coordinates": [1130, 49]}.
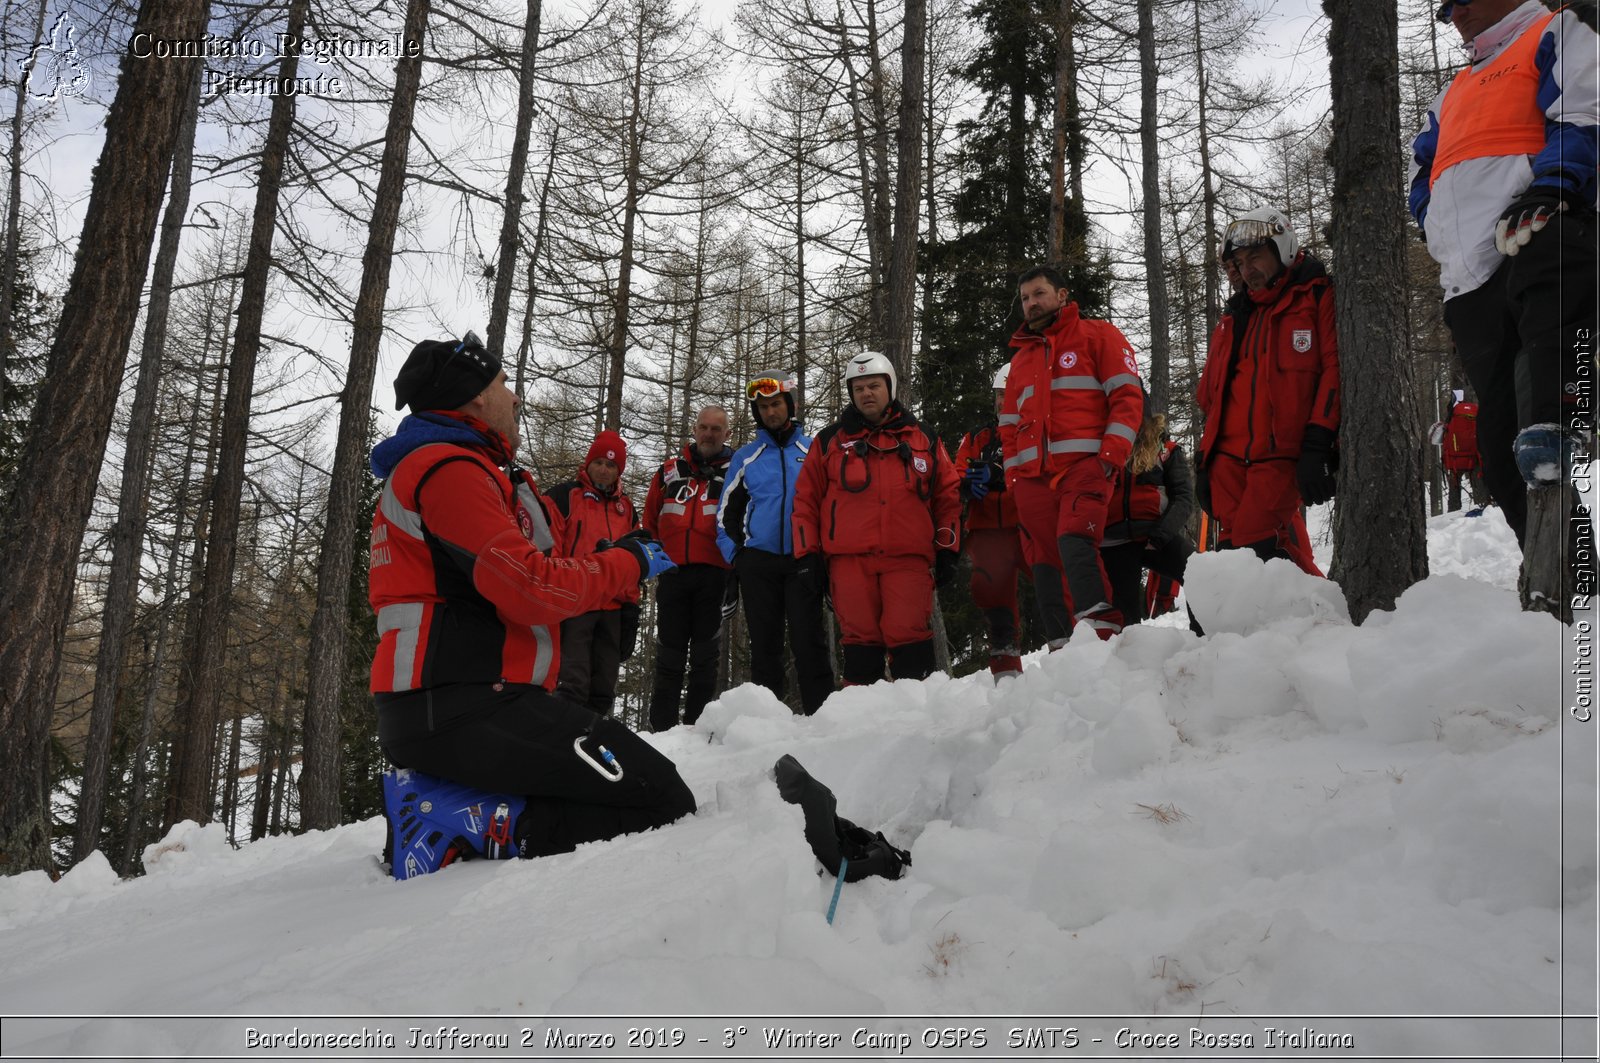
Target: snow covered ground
{"type": "Point", "coordinates": [1290, 823]}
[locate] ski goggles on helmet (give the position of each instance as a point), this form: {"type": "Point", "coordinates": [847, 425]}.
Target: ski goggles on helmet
{"type": "Point", "coordinates": [1249, 232]}
{"type": "Point", "coordinates": [1443, 14]}
{"type": "Point", "coordinates": [767, 386]}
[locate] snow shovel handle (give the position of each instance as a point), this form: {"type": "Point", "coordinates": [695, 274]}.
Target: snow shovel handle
{"type": "Point", "coordinates": [608, 766]}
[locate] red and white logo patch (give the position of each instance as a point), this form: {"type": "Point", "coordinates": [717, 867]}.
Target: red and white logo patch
{"type": "Point", "coordinates": [620, 508]}
{"type": "Point", "coordinates": [1068, 359]}
{"type": "Point", "coordinates": [611, 454]}
{"type": "Point", "coordinates": [1129, 361]}
{"type": "Point", "coordinates": [920, 462]}
{"type": "Point", "coordinates": [1301, 340]}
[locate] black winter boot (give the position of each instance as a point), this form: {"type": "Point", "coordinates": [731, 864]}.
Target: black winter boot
{"type": "Point", "coordinates": [863, 665]}
{"type": "Point", "coordinates": [831, 838]}
{"type": "Point", "coordinates": [914, 660]}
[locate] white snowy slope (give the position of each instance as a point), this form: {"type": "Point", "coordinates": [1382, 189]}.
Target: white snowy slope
{"type": "Point", "coordinates": [1289, 817]}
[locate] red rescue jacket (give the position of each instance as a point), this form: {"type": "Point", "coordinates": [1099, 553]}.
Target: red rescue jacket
{"type": "Point", "coordinates": [1460, 441]}
{"type": "Point", "coordinates": [888, 489]}
{"type": "Point", "coordinates": [586, 515]}
{"type": "Point", "coordinates": [1272, 368]}
{"type": "Point", "coordinates": [462, 593]}
{"type": "Point", "coordinates": [1073, 393]}
{"type": "Point", "coordinates": [681, 507]}
{"type": "Point", "coordinates": [997, 509]}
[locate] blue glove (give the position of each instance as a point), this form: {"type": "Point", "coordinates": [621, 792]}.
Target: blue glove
{"type": "Point", "coordinates": [977, 481]}
{"type": "Point", "coordinates": [651, 555]}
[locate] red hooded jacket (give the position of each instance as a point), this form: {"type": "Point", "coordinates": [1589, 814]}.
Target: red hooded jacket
{"type": "Point", "coordinates": [586, 515]}
{"type": "Point", "coordinates": [887, 489]}
{"type": "Point", "coordinates": [1272, 368]}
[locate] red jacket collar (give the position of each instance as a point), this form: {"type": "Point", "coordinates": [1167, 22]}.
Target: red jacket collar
{"type": "Point", "coordinates": [1066, 321]}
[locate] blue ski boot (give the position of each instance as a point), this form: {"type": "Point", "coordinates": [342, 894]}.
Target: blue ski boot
{"type": "Point", "coordinates": [434, 822]}
{"type": "Point", "coordinates": [1544, 453]}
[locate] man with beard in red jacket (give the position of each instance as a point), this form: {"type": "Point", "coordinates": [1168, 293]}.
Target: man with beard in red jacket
{"type": "Point", "coordinates": [681, 511]}
{"type": "Point", "coordinates": [1270, 395]}
{"type": "Point", "coordinates": [877, 520]}
{"type": "Point", "coordinates": [1072, 409]}
{"type": "Point", "coordinates": [470, 602]}
{"type": "Point", "coordinates": [594, 511]}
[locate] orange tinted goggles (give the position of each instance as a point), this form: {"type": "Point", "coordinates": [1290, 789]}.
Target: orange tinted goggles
{"type": "Point", "coordinates": [767, 387]}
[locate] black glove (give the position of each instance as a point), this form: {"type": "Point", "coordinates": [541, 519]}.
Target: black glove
{"type": "Point", "coordinates": [945, 564]}
{"type": "Point", "coordinates": [814, 573]}
{"type": "Point", "coordinates": [730, 597]}
{"type": "Point", "coordinates": [1202, 488]}
{"type": "Point", "coordinates": [630, 628]}
{"type": "Point", "coordinates": [1528, 214]}
{"type": "Point", "coordinates": [1314, 473]}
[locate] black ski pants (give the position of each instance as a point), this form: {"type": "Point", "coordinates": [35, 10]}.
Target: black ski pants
{"type": "Point", "coordinates": [1527, 341]}
{"type": "Point", "coordinates": [774, 595]}
{"type": "Point", "coordinates": [1125, 563]}
{"type": "Point", "coordinates": [591, 659]}
{"type": "Point", "coordinates": [514, 739]}
{"type": "Point", "coordinates": [688, 637]}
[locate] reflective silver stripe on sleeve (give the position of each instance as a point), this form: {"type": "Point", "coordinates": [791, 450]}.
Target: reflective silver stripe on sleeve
{"type": "Point", "coordinates": [542, 538]}
{"type": "Point", "coordinates": [1122, 431]}
{"type": "Point", "coordinates": [1121, 380]}
{"type": "Point", "coordinates": [405, 619]}
{"type": "Point", "coordinates": [1074, 383]}
{"type": "Point", "coordinates": [397, 514]}
{"type": "Point", "coordinates": [544, 650]}
{"type": "Point", "coordinates": [1022, 457]}
{"type": "Point", "coordinates": [1074, 446]}
{"type": "Point", "coordinates": [709, 508]}
{"type": "Point", "coordinates": [673, 507]}
{"type": "Point", "coordinates": [1010, 418]}
{"type": "Point", "coordinates": [1027, 393]}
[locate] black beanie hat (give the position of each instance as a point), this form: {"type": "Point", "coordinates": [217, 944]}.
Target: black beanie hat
{"type": "Point", "coordinates": [444, 374]}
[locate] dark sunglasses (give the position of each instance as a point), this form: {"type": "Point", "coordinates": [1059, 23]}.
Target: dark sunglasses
{"type": "Point", "coordinates": [1443, 14]}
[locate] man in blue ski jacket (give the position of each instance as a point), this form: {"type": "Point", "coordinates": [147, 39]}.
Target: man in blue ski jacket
{"type": "Point", "coordinates": [754, 534]}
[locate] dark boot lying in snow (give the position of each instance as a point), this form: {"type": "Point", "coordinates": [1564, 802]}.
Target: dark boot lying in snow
{"type": "Point", "coordinates": [832, 838]}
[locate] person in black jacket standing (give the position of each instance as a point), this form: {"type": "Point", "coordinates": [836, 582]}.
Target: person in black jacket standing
{"type": "Point", "coordinates": [1147, 521]}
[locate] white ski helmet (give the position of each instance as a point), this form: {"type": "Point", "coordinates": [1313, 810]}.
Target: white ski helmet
{"type": "Point", "coordinates": [1264, 225]}
{"type": "Point", "coordinates": [870, 363]}
{"type": "Point", "coordinates": [1000, 376]}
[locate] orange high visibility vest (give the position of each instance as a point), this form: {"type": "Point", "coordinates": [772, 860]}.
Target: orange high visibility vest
{"type": "Point", "coordinates": [1493, 111]}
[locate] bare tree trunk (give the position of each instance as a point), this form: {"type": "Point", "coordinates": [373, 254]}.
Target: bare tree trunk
{"type": "Point", "coordinates": [1380, 538]}
{"type": "Point", "coordinates": [325, 663]}
{"type": "Point", "coordinates": [1160, 366]}
{"type": "Point", "coordinates": [525, 347]}
{"type": "Point", "coordinates": [881, 218]}
{"type": "Point", "coordinates": [192, 793]}
{"type": "Point", "coordinates": [511, 224]}
{"type": "Point", "coordinates": [55, 485]}
{"type": "Point", "coordinates": [9, 262]}
{"type": "Point", "coordinates": [902, 278]}
{"type": "Point", "coordinates": [1208, 186]}
{"type": "Point", "coordinates": [127, 535]}
{"type": "Point", "coordinates": [197, 535]}
{"type": "Point", "coordinates": [801, 350]}
{"type": "Point", "coordinates": [1058, 144]}
{"type": "Point", "coordinates": [617, 373]}
{"type": "Point", "coordinates": [1075, 224]}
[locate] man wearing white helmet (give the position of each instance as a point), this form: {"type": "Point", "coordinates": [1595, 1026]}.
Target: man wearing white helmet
{"type": "Point", "coordinates": [1270, 394]}
{"type": "Point", "coordinates": [1072, 409]}
{"type": "Point", "coordinates": [991, 538]}
{"type": "Point", "coordinates": [1503, 184]}
{"type": "Point", "coordinates": [877, 520]}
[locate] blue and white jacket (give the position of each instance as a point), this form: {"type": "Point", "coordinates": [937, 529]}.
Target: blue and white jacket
{"type": "Point", "coordinates": [758, 495]}
{"type": "Point", "coordinates": [1460, 210]}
